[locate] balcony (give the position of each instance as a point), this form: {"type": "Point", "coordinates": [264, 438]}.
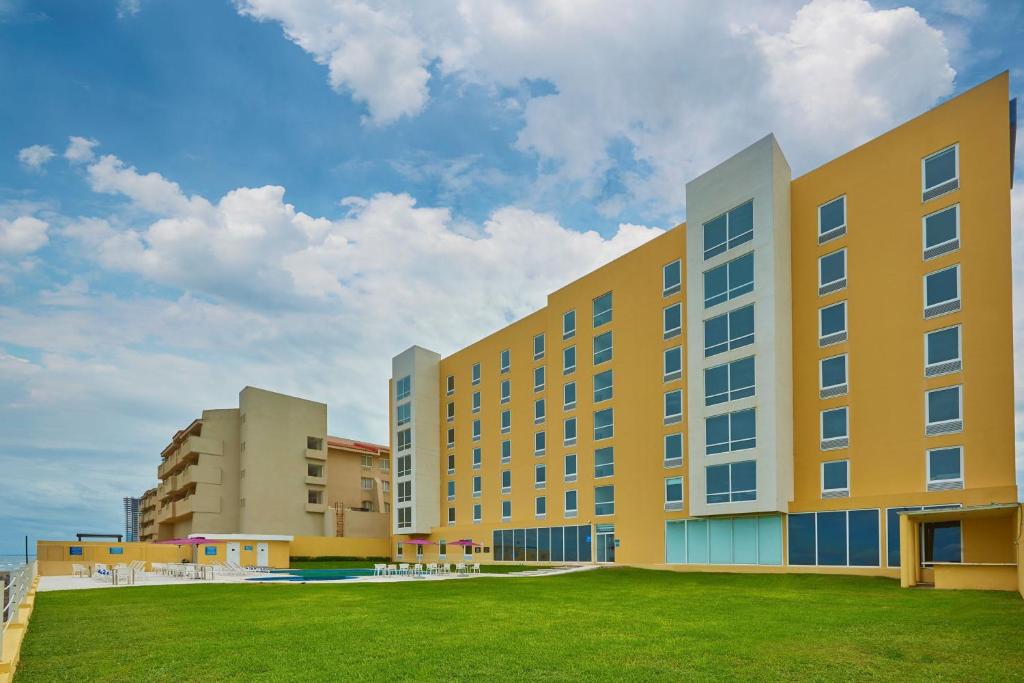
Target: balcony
{"type": "Point", "coordinates": [165, 514]}
{"type": "Point", "coordinates": [314, 454]}
{"type": "Point", "coordinates": [316, 481]}
{"type": "Point", "coordinates": [316, 507]}
{"type": "Point", "coordinates": [166, 466]}
{"type": "Point", "coordinates": [194, 445]}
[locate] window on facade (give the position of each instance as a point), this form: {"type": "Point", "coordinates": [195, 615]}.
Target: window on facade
{"type": "Point", "coordinates": [603, 386]}
{"type": "Point", "coordinates": [451, 463]}
{"type": "Point", "coordinates": [451, 490]}
{"type": "Point", "coordinates": [384, 464]}
{"type": "Point", "coordinates": [539, 411]}
{"type": "Point", "coordinates": [569, 395]}
{"type": "Point", "coordinates": [673, 406]}
{"type": "Point", "coordinates": [729, 230]}
{"type": "Point", "coordinates": [836, 538]}
{"type": "Point", "coordinates": [673, 363]}
{"type": "Point", "coordinates": [451, 411]}
{"type": "Point", "coordinates": [506, 481]}
{"type": "Point", "coordinates": [732, 482]}
{"type": "Point", "coordinates": [538, 378]}
{"type": "Point", "coordinates": [506, 421]}
{"type": "Point", "coordinates": [671, 278]}
{"type": "Point", "coordinates": [568, 324]}
{"type": "Point", "coordinates": [832, 272]}
{"type": "Point", "coordinates": [476, 373]}
{"type": "Point", "coordinates": [832, 324]}
{"type": "Point", "coordinates": [604, 500]}
{"type": "Point", "coordinates": [569, 431]}
{"type": "Point", "coordinates": [835, 428]}
{"type": "Point", "coordinates": [366, 461]}
{"type": "Point", "coordinates": [943, 411]}
{"type": "Point", "coordinates": [603, 309]}
{"type": "Point", "coordinates": [540, 506]}
{"type": "Point", "coordinates": [941, 232]}
{"type": "Point", "coordinates": [476, 486]}
{"type": "Point", "coordinates": [404, 491]}
{"type": "Point", "coordinates": [672, 321]}
{"type": "Point", "coordinates": [476, 429]}
{"type": "Point", "coordinates": [476, 401]}
{"type": "Point", "coordinates": [451, 384]}
{"type": "Point", "coordinates": [835, 478]}
{"type": "Point", "coordinates": [940, 173]}
{"type": "Point", "coordinates": [568, 360]}
{"type": "Point", "coordinates": [832, 376]}
{"type": "Point", "coordinates": [942, 292]}
{"type": "Point", "coordinates": [451, 520]}
{"type": "Point", "coordinates": [729, 381]}
{"type": "Point", "coordinates": [570, 503]}
{"type": "Point", "coordinates": [506, 360]}
{"type": "Point", "coordinates": [728, 331]}
{"type": "Point", "coordinates": [674, 493]}
{"type": "Point", "coordinates": [673, 455]}
{"type": "Point", "coordinates": [540, 475]}
{"type": "Point", "coordinates": [945, 469]}
{"type": "Point", "coordinates": [604, 462]}
{"type": "Point", "coordinates": [451, 437]}
{"type": "Point", "coordinates": [506, 390]}
{"type": "Point", "coordinates": [602, 348]}
{"type": "Point", "coordinates": [403, 413]}
{"type": "Point", "coordinates": [604, 424]}
{"type": "Point", "coordinates": [831, 220]}
{"type": "Point", "coordinates": [476, 458]}
{"type": "Point", "coordinates": [404, 465]}
{"type": "Point", "coordinates": [477, 512]}
{"type": "Point", "coordinates": [506, 451]}
{"type": "Point", "coordinates": [729, 280]}
{"type": "Point", "coordinates": [942, 351]}
{"type": "Point", "coordinates": [570, 467]}
{"type": "Point", "coordinates": [730, 432]}
{"type": "Point", "coordinates": [540, 442]}
{"type": "Point", "coordinates": [538, 346]}
{"type": "Point", "coordinates": [506, 509]}
{"type": "Point", "coordinates": [404, 522]}
{"type": "Point", "coordinates": [313, 470]}
{"type": "Point", "coordinates": [403, 388]}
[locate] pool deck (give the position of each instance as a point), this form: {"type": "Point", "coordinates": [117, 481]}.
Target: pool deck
{"type": "Point", "coordinates": [63, 583]}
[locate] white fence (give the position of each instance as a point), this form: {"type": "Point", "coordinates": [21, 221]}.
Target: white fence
{"type": "Point", "coordinates": [15, 584]}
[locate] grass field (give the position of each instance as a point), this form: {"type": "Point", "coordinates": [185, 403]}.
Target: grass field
{"type": "Point", "coordinates": [610, 624]}
{"type": "Point", "coordinates": [362, 564]}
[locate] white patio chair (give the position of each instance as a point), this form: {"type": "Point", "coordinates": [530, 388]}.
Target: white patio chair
{"type": "Point", "coordinates": [475, 568]}
{"type": "Point", "coordinates": [403, 568]}
{"type": "Point", "coordinates": [460, 568]}
{"type": "Point", "coordinates": [379, 569]}
{"type": "Point", "coordinates": [79, 570]}
{"type": "Point", "coordinates": [417, 569]}
{"type": "Point", "coordinates": [391, 570]}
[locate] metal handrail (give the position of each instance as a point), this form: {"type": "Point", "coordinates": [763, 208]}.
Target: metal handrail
{"type": "Point", "coordinates": [17, 586]}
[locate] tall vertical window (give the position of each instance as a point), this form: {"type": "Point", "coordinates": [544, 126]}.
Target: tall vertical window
{"type": "Point", "coordinates": [451, 490]}
{"type": "Point", "coordinates": [673, 406]}
{"type": "Point", "coordinates": [732, 482]}
{"type": "Point", "coordinates": [538, 346]}
{"type": "Point", "coordinates": [506, 390]}
{"type": "Point", "coordinates": [730, 432]}
{"type": "Point", "coordinates": [451, 437]}
{"type": "Point", "coordinates": [941, 231]}
{"type": "Point", "coordinates": [476, 486]}
{"type": "Point", "coordinates": [832, 324]}
{"type": "Point", "coordinates": [673, 455]}
{"type": "Point", "coordinates": [477, 512]}
{"type": "Point", "coordinates": [602, 348]}
{"type": "Point", "coordinates": [476, 430]}
{"type": "Point", "coordinates": [506, 481]}
{"type": "Point", "coordinates": [476, 458]}
{"type": "Point", "coordinates": [506, 451]}
{"type": "Point", "coordinates": [944, 411]}
{"type": "Point", "coordinates": [403, 413]}
{"type": "Point", "coordinates": [450, 383]}
{"type": "Point", "coordinates": [671, 278]}
{"type": "Point", "coordinates": [604, 500]}
{"type": "Point", "coordinates": [672, 321]}
{"type": "Point", "coordinates": [570, 467]}
{"type": "Point", "coordinates": [476, 401]}
{"type": "Point", "coordinates": [538, 378]}
{"type": "Point", "coordinates": [729, 381]}
{"type": "Point", "coordinates": [451, 463]}
{"type": "Point", "coordinates": [476, 373]}
{"type": "Point", "coordinates": [604, 462]}
{"type": "Point", "coordinates": [832, 220]}
{"type": "Point", "coordinates": [728, 331]}
{"type": "Point", "coordinates": [673, 363]}
{"type": "Point", "coordinates": [835, 479]}
{"type": "Point", "coordinates": [940, 173]}
{"type": "Point", "coordinates": [673, 493]}
{"type": "Point", "coordinates": [603, 386]}
{"type": "Point", "coordinates": [832, 376]}
{"type": "Point", "coordinates": [832, 272]}
{"type": "Point", "coordinates": [569, 431]}
{"type": "Point", "coordinates": [729, 280]}
{"type": "Point", "coordinates": [945, 468]}
{"type": "Point", "coordinates": [835, 428]}
{"type": "Point", "coordinates": [729, 230]}
{"type": "Point", "coordinates": [404, 465]}
{"type": "Point", "coordinates": [604, 424]}
{"type": "Point", "coordinates": [540, 507]}
{"type": "Point", "coordinates": [506, 360]}
{"type": "Point", "coordinates": [568, 324]}
{"type": "Point", "coordinates": [404, 491]}
{"type": "Point", "coordinates": [506, 509]}
{"type": "Point", "coordinates": [603, 309]}
{"type": "Point", "coordinates": [539, 412]}
{"type": "Point", "coordinates": [451, 411]}
{"type": "Point", "coordinates": [568, 360]}
{"type": "Point", "coordinates": [506, 421]}
{"type": "Point", "coordinates": [569, 395]}
{"type": "Point", "coordinates": [942, 351]}
{"type": "Point", "coordinates": [540, 443]}
{"type": "Point", "coordinates": [403, 388]}
{"type": "Point", "coordinates": [570, 503]}
{"type": "Point", "coordinates": [942, 292]}
{"type": "Point", "coordinates": [451, 522]}
{"type": "Point", "coordinates": [404, 439]}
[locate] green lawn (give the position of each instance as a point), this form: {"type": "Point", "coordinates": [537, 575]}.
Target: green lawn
{"type": "Point", "coordinates": [610, 624]}
{"type": "Point", "coordinates": [361, 564]}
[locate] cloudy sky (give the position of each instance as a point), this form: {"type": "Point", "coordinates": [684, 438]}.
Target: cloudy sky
{"type": "Point", "coordinates": [203, 194]}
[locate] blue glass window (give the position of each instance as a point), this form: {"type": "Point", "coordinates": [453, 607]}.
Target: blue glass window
{"type": "Point", "coordinates": [603, 309]}
{"type": "Point", "coordinates": [729, 230]}
{"type": "Point", "coordinates": [942, 285]}
{"type": "Point", "coordinates": [604, 462]}
{"type": "Point", "coordinates": [940, 168]}
{"type": "Point", "coordinates": [730, 432]}
{"type": "Point", "coordinates": [729, 280]}
{"type": "Point", "coordinates": [603, 389]}
{"type": "Point", "coordinates": [602, 348]}
{"type": "Point", "coordinates": [833, 371]}
{"type": "Point", "coordinates": [731, 330]}
{"type": "Point", "coordinates": [943, 345]}
{"type": "Point", "coordinates": [802, 532]}
{"type": "Point", "coordinates": [604, 500]}
{"type": "Point", "coordinates": [831, 216]}
{"type": "Point", "coordinates": [604, 424]}
{"type": "Point", "coordinates": [832, 319]}
{"type": "Point", "coordinates": [672, 278]}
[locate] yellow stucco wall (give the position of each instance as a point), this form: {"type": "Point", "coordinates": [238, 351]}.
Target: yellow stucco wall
{"type": "Point", "coordinates": [55, 558]}
{"type": "Point", "coordinates": [333, 546]}
{"type": "Point", "coordinates": [975, 577]}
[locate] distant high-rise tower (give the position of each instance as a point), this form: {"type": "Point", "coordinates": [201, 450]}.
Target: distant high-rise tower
{"type": "Point", "coordinates": [131, 519]}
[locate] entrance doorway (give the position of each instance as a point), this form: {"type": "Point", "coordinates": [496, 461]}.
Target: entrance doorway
{"type": "Point", "coordinates": [605, 546]}
{"type": "Point", "coordinates": [234, 553]}
{"type": "Point", "coordinates": [262, 555]}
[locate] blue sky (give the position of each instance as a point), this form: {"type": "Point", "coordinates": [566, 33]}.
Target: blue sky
{"type": "Point", "coordinates": [251, 180]}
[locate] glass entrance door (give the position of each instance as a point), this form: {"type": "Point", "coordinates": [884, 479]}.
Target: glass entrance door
{"type": "Point", "coordinates": [605, 550]}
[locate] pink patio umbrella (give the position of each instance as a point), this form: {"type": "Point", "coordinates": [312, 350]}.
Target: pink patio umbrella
{"type": "Point", "coordinates": [466, 543]}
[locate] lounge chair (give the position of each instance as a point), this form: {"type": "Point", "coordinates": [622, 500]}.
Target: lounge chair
{"type": "Point", "coordinates": [79, 570]}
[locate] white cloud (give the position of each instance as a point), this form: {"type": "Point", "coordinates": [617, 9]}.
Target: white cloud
{"type": "Point", "coordinates": [21, 236]}
{"type": "Point", "coordinates": [128, 8]}
{"type": "Point", "coordinates": [35, 157]}
{"type": "Point", "coordinates": [79, 149]}
{"type": "Point", "coordinates": [680, 86]}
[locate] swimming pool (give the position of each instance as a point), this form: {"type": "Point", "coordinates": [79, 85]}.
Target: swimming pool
{"type": "Point", "coordinates": [313, 575]}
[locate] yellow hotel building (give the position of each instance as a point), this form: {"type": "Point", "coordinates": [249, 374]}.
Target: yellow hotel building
{"type": "Point", "coordinates": [770, 385]}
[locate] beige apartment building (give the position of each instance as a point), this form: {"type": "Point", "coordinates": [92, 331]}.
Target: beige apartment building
{"type": "Point", "coordinates": [267, 467]}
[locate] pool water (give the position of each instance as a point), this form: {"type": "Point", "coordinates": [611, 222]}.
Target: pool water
{"type": "Point", "coordinates": [313, 575]}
